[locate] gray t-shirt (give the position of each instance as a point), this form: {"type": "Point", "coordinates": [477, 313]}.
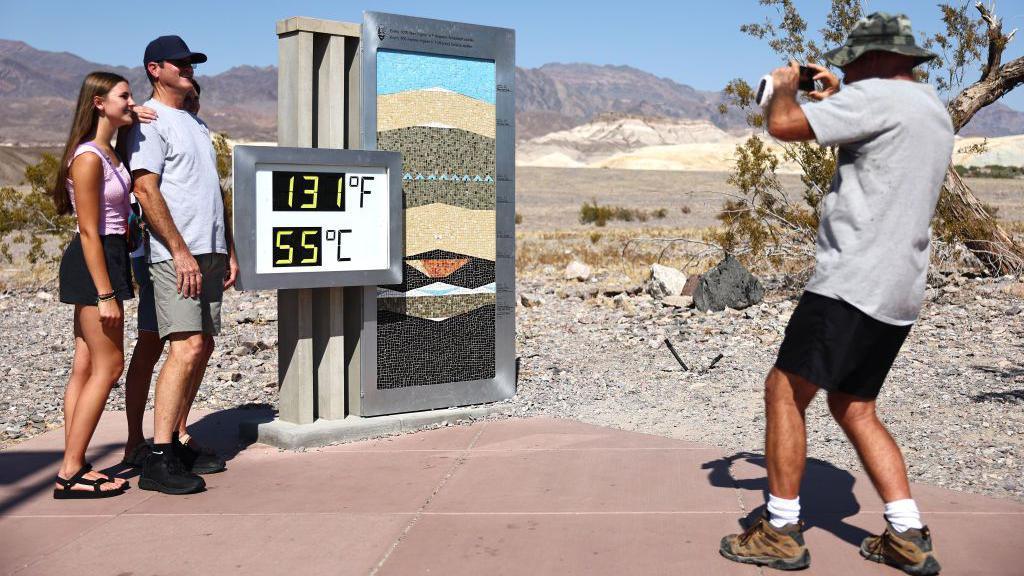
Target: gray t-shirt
{"type": "Point", "coordinates": [895, 141]}
{"type": "Point", "coordinates": [177, 147]}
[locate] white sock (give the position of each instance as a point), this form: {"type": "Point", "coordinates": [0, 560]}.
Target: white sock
{"type": "Point", "coordinates": [782, 511]}
{"type": "Point", "coordinates": [903, 514]}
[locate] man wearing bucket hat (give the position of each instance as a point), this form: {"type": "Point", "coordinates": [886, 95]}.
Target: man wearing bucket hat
{"type": "Point", "coordinates": [191, 258]}
{"type": "Point", "coordinates": [895, 140]}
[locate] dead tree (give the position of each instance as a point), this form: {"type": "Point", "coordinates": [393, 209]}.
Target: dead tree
{"type": "Point", "coordinates": [976, 228]}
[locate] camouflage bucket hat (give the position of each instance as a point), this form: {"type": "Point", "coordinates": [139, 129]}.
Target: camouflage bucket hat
{"type": "Point", "coordinates": [879, 31]}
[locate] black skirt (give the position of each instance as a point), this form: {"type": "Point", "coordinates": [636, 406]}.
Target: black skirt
{"type": "Point", "coordinates": [76, 285]}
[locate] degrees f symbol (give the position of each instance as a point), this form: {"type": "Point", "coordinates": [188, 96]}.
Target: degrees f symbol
{"type": "Point", "coordinates": [381, 33]}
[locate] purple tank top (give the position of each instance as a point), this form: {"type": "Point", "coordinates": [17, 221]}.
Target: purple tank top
{"type": "Point", "coordinates": [115, 208]}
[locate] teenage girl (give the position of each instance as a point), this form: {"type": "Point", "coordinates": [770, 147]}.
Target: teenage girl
{"type": "Point", "coordinates": [93, 183]}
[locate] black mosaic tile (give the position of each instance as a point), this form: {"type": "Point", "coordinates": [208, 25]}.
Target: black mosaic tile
{"type": "Point", "coordinates": [416, 352]}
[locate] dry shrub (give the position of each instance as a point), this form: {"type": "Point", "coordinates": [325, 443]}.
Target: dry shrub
{"type": "Point", "coordinates": [593, 213]}
{"type": "Point", "coordinates": [616, 253]}
{"type": "Point", "coordinates": [30, 216]}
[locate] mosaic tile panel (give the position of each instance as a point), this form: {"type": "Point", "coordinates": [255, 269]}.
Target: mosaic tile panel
{"type": "Point", "coordinates": [438, 325]}
{"type": "Point", "coordinates": [435, 307]}
{"type": "Point", "coordinates": [445, 165]}
{"type": "Point", "coordinates": [408, 71]}
{"type": "Point", "coordinates": [438, 268]}
{"type": "Point", "coordinates": [475, 273]}
{"type": "Point", "coordinates": [424, 352]}
{"type": "Point", "coordinates": [435, 289]}
{"type": "Point", "coordinates": [444, 227]}
{"type": "Point", "coordinates": [472, 195]}
{"type": "Point", "coordinates": [429, 150]}
{"type": "Point", "coordinates": [438, 107]}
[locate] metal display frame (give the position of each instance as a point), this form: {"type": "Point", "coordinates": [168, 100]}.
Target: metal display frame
{"type": "Point", "coordinates": [245, 161]}
{"type": "Point", "coordinates": [443, 38]}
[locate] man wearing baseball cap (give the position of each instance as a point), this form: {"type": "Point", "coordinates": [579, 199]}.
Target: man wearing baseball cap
{"type": "Point", "coordinates": [190, 253]}
{"type": "Point", "coordinates": [895, 140]}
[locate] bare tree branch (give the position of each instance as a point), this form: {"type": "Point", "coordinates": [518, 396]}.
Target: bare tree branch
{"type": "Point", "coordinates": [996, 79]}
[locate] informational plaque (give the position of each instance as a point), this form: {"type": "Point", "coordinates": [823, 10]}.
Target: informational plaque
{"type": "Point", "coordinates": [441, 93]}
{"type": "Point", "coordinates": [311, 218]}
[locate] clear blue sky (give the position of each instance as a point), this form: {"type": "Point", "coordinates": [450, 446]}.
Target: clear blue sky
{"type": "Point", "coordinates": [695, 43]}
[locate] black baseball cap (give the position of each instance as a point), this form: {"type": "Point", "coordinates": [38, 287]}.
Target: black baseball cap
{"type": "Point", "coordinates": [171, 48]}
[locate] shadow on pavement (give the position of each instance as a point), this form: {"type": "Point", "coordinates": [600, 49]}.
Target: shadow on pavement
{"type": "Point", "coordinates": [17, 465]}
{"type": "Point", "coordinates": [826, 494]}
{"type": "Point", "coordinates": [217, 430]}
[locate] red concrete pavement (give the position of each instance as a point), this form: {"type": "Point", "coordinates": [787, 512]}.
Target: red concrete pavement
{"type": "Point", "coordinates": [535, 496]}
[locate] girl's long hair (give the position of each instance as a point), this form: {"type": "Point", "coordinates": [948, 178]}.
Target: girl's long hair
{"type": "Point", "coordinates": [83, 127]}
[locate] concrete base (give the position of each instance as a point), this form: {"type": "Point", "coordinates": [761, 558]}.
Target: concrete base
{"type": "Point", "coordinates": [289, 436]}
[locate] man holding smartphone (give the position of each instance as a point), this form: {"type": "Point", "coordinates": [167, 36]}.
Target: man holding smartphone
{"type": "Point", "coordinates": [895, 141]}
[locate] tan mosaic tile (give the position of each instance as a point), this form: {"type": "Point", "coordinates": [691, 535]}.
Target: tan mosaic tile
{"type": "Point", "coordinates": [435, 107]}
{"type": "Point", "coordinates": [435, 307]}
{"type": "Point", "coordinates": [444, 227]}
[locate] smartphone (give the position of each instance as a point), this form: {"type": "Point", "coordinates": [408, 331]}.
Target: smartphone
{"type": "Point", "coordinates": [807, 79]}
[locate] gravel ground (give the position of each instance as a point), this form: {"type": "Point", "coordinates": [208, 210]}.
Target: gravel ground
{"type": "Point", "coordinates": [953, 400]}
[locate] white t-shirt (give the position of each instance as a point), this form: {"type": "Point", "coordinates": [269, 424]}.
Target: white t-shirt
{"type": "Point", "coordinates": [895, 143]}
{"type": "Point", "coordinates": [177, 147]}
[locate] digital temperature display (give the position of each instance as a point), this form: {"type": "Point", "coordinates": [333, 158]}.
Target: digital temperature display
{"type": "Point", "coordinates": [317, 217]}
{"type": "Point", "coordinates": [318, 191]}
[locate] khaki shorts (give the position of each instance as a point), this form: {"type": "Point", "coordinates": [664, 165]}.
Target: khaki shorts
{"type": "Point", "coordinates": [176, 314]}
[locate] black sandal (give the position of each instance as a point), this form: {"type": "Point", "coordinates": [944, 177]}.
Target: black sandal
{"type": "Point", "coordinates": [68, 492]}
{"type": "Point", "coordinates": [112, 479]}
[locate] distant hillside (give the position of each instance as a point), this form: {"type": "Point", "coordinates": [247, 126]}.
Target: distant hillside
{"type": "Point", "coordinates": [37, 89]}
{"type": "Point", "coordinates": [996, 119]}
{"type": "Point", "coordinates": [613, 134]}
{"type": "Point", "coordinates": [565, 95]}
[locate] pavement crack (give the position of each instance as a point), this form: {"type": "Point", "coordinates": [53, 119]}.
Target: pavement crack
{"type": "Point", "coordinates": [420, 511]}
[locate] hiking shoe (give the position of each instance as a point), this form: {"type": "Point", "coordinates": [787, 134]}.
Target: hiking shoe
{"type": "Point", "coordinates": [164, 473]}
{"type": "Point", "coordinates": [199, 461]}
{"type": "Point", "coordinates": [765, 545]}
{"type": "Point", "coordinates": [910, 551]}
{"type": "Point", "coordinates": [137, 457]}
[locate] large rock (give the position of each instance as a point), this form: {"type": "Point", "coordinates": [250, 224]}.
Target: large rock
{"type": "Point", "coordinates": [531, 300]}
{"type": "Point", "coordinates": [577, 270]}
{"type": "Point", "coordinates": [678, 301]}
{"type": "Point", "coordinates": [691, 285]}
{"type": "Point", "coordinates": [728, 285]}
{"type": "Point", "coordinates": [665, 281]}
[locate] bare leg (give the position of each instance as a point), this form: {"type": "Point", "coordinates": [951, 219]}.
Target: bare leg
{"type": "Point", "coordinates": [786, 397]}
{"type": "Point", "coordinates": [147, 351]}
{"type": "Point", "coordinates": [879, 453]}
{"type": "Point", "coordinates": [81, 367]}
{"type": "Point", "coordinates": [173, 384]}
{"type": "Point", "coordinates": [197, 380]}
{"type": "Point", "coordinates": [106, 354]}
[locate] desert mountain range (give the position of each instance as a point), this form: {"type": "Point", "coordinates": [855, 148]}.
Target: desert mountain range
{"type": "Point", "coordinates": [38, 87]}
{"type": "Point", "coordinates": [631, 143]}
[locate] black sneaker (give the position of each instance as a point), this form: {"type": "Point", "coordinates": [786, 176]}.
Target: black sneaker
{"type": "Point", "coordinates": [197, 461]}
{"type": "Point", "coordinates": [164, 473]}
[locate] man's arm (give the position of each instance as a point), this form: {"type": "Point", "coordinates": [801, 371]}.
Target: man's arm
{"type": "Point", "coordinates": [158, 218]}
{"type": "Point", "coordinates": [786, 120]}
{"type": "Point", "coordinates": [231, 274]}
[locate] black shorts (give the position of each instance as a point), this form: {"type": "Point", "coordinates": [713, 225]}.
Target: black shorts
{"type": "Point", "coordinates": [76, 285]}
{"type": "Point", "coordinates": [837, 347]}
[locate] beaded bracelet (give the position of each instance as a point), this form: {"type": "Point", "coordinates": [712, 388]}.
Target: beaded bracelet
{"type": "Point", "coordinates": [105, 297]}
